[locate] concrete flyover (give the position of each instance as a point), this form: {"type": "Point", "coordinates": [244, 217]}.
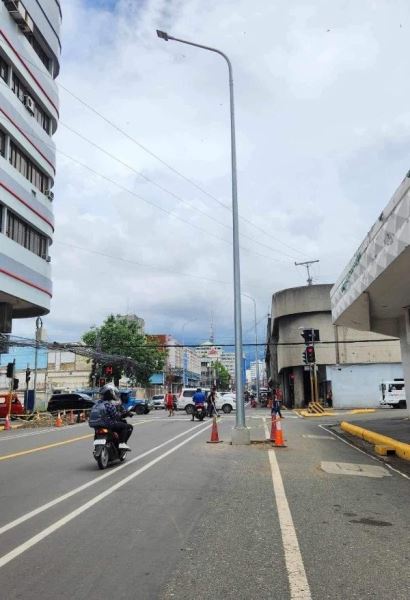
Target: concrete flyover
{"type": "Point", "coordinates": [373, 292]}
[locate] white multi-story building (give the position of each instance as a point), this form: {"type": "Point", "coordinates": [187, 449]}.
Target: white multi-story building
{"type": "Point", "coordinates": [228, 361]}
{"type": "Point", "coordinates": [29, 63]}
{"type": "Point", "coordinates": [262, 372]}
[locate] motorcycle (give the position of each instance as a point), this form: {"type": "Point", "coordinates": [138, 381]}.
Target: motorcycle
{"type": "Point", "coordinates": [199, 412]}
{"type": "Point", "coordinates": [106, 448]}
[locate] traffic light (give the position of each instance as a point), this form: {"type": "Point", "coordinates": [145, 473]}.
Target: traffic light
{"type": "Point", "coordinates": [28, 373]}
{"type": "Point", "coordinates": [10, 370]}
{"type": "Point", "coordinates": [15, 384]}
{"type": "Point", "coordinates": [310, 354]}
{"type": "Point", "coordinates": [305, 360]}
{"type": "Point", "coordinates": [108, 370]}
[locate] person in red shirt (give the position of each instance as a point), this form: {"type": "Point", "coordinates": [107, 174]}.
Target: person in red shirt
{"type": "Point", "coordinates": [169, 403]}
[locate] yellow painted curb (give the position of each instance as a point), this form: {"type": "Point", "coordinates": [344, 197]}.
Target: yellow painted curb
{"type": "Point", "coordinates": [401, 449]}
{"type": "Point", "coordinates": [362, 411]}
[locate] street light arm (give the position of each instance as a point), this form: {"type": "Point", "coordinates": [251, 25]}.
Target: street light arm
{"type": "Point", "coordinates": [166, 37]}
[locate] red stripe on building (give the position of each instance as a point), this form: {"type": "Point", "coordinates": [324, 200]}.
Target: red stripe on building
{"type": "Point", "coordinates": [26, 204]}
{"type": "Point", "coordinates": [28, 69]}
{"type": "Point", "coordinates": [26, 281]}
{"type": "Point", "coordinates": [28, 139]}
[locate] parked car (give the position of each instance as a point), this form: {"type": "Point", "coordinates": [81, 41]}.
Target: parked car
{"type": "Point", "coordinates": [158, 401]}
{"type": "Point", "coordinates": [225, 402]}
{"type": "Point", "coordinates": [139, 406]}
{"type": "Point", "coordinates": [16, 407]}
{"type": "Point", "coordinates": [70, 401]}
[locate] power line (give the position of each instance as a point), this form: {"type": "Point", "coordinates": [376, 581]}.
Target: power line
{"type": "Point", "coordinates": [125, 189]}
{"type": "Point", "coordinates": [167, 191]}
{"type": "Point", "coordinates": [154, 155]}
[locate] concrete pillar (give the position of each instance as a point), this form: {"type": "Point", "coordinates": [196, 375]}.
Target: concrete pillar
{"type": "Point", "coordinates": [298, 387]}
{"type": "Point", "coordinates": [6, 311]}
{"type": "Point", "coordinates": [405, 353]}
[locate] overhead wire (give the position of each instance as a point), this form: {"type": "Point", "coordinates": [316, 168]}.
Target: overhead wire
{"type": "Point", "coordinates": [158, 158]}
{"type": "Point", "coordinates": [139, 197]}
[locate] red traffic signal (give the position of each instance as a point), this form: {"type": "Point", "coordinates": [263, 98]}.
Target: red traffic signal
{"type": "Point", "coordinates": [310, 354]}
{"type": "Point", "coordinates": [108, 370]}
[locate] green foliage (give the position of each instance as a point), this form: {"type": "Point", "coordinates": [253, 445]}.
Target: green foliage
{"type": "Point", "coordinates": [118, 335]}
{"type": "Point", "coordinates": [222, 376]}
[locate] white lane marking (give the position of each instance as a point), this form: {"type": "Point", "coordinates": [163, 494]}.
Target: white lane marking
{"type": "Point", "coordinates": [386, 464]}
{"type": "Point", "coordinates": [298, 583]}
{"type": "Point", "coordinates": [6, 438]}
{"type": "Point", "coordinates": [85, 486]}
{"type": "Point", "coordinates": [6, 558]}
{"type": "Point", "coordinates": [318, 437]}
{"type": "Point", "coordinates": [267, 432]}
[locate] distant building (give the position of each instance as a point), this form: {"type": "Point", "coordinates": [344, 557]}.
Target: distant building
{"type": "Point", "coordinates": [262, 373]}
{"type": "Point", "coordinates": [182, 365]}
{"type": "Point", "coordinates": [228, 361]}
{"type": "Point", "coordinates": [351, 363]}
{"type": "Point", "coordinates": [140, 321]}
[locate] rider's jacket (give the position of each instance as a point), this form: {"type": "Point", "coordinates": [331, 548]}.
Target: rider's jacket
{"type": "Point", "coordinates": [198, 398]}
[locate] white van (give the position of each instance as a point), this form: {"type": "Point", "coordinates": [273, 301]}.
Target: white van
{"type": "Point", "coordinates": [393, 394]}
{"type": "Point", "coordinates": [184, 402]}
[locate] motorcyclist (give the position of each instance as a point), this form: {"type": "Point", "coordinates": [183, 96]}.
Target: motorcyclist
{"type": "Point", "coordinates": [114, 415]}
{"type": "Point", "coordinates": [198, 399]}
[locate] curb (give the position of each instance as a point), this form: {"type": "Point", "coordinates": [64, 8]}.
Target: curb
{"type": "Point", "coordinates": [382, 443]}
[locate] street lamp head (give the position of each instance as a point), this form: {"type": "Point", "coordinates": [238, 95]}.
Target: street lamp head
{"type": "Point", "coordinates": [162, 34]}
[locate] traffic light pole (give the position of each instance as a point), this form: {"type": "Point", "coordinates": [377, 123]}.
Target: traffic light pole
{"type": "Point", "coordinates": [316, 390]}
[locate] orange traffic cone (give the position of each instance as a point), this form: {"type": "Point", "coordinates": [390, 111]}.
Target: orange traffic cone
{"type": "Point", "coordinates": [59, 421]}
{"type": "Point", "coordinates": [279, 442]}
{"type": "Point", "coordinates": [273, 430]}
{"type": "Point", "coordinates": [214, 433]}
{"type": "Point", "coordinates": [7, 425]}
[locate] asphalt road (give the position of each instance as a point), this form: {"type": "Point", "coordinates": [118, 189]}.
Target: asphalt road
{"type": "Point", "coordinates": [187, 520]}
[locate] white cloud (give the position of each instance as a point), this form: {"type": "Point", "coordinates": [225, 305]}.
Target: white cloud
{"type": "Point", "coordinates": [321, 99]}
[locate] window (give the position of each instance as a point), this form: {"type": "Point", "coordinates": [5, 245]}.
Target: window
{"type": "Point", "coordinates": [38, 49]}
{"type": "Point", "coordinates": [21, 92]}
{"type": "Point", "coordinates": [25, 235]}
{"type": "Point", "coordinates": [2, 143]}
{"type": "Point", "coordinates": [4, 70]}
{"type": "Point", "coordinates": [28, 169]}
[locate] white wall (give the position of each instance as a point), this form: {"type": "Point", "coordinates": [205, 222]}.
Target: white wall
{"type": "Point", "coordinates": [357, 386]}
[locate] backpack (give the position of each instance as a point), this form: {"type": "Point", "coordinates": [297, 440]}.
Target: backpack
{"type": "Point", "coordinates": [98, 415]}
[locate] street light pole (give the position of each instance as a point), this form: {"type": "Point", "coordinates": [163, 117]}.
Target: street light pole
{"type": "Point", "coordinates": [256, 344]}
{"type": "Point", "coordinates": [39, 325]}
{"type": "Point", "coordinates": [240, 433]}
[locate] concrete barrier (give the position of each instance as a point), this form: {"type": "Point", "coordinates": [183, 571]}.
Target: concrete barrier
{"type": "Point", "coordinates": [383, 442]}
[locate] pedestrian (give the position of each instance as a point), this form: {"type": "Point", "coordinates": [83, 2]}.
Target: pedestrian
{"type": "Point", "coordinates": [277, 403]}
{"type": "Point", "coordinates": [169, 403]}
{"type": "Point", "coordinates": [211, 400]}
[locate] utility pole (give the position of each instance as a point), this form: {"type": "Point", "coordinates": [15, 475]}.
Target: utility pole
{"type": "Point", "coordinates": [307, 264]}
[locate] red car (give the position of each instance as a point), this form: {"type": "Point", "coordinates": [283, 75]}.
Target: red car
{"type": "Point", "coordinates": [16, 407]}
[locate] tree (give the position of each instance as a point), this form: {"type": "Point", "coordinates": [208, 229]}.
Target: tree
{"type": "Point", "coordinates": [121, 336]}
{"type": "Point", "coordinates": [222, 376]}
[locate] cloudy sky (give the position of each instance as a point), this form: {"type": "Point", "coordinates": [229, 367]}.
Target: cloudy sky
{"type": "Point", "coordinates": [142, 205]}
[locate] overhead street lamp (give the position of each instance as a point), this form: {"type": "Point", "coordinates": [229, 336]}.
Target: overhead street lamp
{"type": "Point", "coordinates": [256, 344]}
{"type": "Point", "coordinates": [240, 433]}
